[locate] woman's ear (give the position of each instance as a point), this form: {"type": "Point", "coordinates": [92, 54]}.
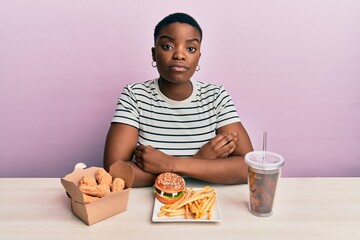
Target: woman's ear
{"type": "Point", "coordinates": [153, 54]}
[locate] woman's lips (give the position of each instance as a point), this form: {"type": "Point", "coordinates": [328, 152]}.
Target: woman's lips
{"type": "Point", "coordinates": [178, 68]}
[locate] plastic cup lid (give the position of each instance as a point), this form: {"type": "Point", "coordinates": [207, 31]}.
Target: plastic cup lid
{"type": "Point", "coordinates": [264, 161]}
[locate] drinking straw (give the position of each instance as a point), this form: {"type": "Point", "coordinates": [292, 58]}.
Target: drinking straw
{"type": "Point", "coordinates": [264, 144]}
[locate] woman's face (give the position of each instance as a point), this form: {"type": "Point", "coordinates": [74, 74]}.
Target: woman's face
{"type": "Point", "coordinates": [177, 52]}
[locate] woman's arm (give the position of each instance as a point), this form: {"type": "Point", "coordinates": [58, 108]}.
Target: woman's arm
{"type": "Point", "coordinates": [120, 144]}
{"type": "Point", "coordinates": [226, 170]}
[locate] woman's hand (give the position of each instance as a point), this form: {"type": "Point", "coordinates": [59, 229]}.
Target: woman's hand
{"type": "Point", "coordinates": [152, 160]}
{"type": "Point", "coordinates": [221, 146]}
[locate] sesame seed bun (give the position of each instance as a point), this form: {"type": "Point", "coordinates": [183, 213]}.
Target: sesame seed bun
{"type": "Point", "coordinates": [170, 182]}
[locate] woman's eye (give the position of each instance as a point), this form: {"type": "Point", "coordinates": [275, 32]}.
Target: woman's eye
{"type": "Point", "coordinates": [166, 46]}
{"type": "Point", "coordinates": [191, 49]}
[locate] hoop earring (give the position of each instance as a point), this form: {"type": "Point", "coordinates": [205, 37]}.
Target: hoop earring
{"type": "Point", "coordinates": [153, 64]}
{"type": "Point", "coordinates": [197, 68]}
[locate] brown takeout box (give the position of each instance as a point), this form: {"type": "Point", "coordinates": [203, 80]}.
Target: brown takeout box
{"type": "Point", "coordinates": [109, 205]}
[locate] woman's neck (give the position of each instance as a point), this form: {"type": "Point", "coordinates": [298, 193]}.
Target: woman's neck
{"type": "Point", "coordinates": [175, 91]}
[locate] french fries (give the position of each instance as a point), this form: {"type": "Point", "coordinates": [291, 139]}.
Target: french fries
{"type": "Point", "coordinates": [192, 205]}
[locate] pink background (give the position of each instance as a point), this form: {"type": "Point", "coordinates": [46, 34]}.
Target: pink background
{"type": "Point", "coordinates": [292, 67]}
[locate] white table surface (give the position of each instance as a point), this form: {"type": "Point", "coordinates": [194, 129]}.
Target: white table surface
{"type": "Point", "coordinates": [305, 208]}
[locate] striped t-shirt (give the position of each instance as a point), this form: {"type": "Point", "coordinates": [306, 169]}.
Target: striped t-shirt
{"type": "Point", "coordinates": [177, 128]}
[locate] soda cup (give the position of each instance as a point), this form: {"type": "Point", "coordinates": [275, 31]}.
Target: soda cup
{"type": "Point", "coordinates": [264, 170]}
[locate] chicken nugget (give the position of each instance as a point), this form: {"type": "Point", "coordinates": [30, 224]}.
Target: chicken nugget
{"type": "Point", "coordinates": [87, 181]}
{"type": "Point", "coordinates": [103, 177]}
{"type": "Point", "coordinates": [95, 191]}
{"type": "Point", "coordinates": [118, 185]}
{"type": "Point", "coordinates": [89, 199]}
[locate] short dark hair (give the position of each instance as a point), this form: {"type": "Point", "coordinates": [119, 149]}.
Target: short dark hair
{"type": "Point", "coordinates": [177, 17]}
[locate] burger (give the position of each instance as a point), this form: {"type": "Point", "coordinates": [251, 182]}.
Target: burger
{"type": "Point", "coordinates": [169, 187]}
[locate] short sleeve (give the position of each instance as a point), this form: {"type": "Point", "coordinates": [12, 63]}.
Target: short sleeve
{"type": "Point", "coordinates": [225, 109]}
{"type": "Point", "coordinates": [127, 110]}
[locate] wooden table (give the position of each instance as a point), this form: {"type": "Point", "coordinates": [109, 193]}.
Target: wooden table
{"type": "Point", "coordinates": [305, 208]}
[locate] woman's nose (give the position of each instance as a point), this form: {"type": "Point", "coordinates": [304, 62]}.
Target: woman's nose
{"type": "Point", "coordinates": [179, 54]}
